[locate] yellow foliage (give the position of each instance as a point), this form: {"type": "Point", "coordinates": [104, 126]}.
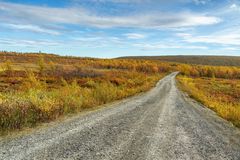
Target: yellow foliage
{"type": "Point", "coordinates": [35, 103]}
{"type": "Point", "coordinates": [222, 96]}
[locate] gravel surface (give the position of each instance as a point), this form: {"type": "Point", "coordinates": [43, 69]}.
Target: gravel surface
{"type": "Point", "coordinates": [160, 124]}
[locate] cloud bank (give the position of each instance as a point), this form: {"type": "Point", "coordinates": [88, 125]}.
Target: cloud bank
{"type": "Point", "coordinates": [34, 15]}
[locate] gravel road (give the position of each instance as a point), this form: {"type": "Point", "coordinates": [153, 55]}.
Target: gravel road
{"type": "Point", "coordinates": [160, 124]}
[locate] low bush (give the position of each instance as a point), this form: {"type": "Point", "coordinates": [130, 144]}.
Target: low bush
{"type": "Point", "coordinates": [35, 103]}
{"type": "Point", "coordinates": [220, 95]}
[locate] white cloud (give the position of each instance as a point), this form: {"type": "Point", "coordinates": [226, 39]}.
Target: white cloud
{"type": "Point", "coordinates": [234, 7]}
{"type": "Point", "coordinates": [231, 48]}
{"type": "Point", "coordinates": [151, 1]}
{"type": "Point", "coordinates": [89, 42]}
{"type": "Point", "coordinates": [33, 28]}
{"type": "Point", "coordinates": [121, 1]}
{"type": "Point", "coordinates": [27, 43]}
{"type": "Point", "coordinates": [87, 39]}
{"type": "Point", "coordinates": [17, 13]}
{"type": "Point", "coordinates": [134, 36]}
{"type": "Point", "coordinates": [202, 2]}
{"type": "Point", "coordinates": [225, 38]}
{"type": "Point", "coordinates": [155, 46]}
{"type": "Point", "coordinates": [184, 35]}
{"type": "Point", "coordinates": [96, 41]}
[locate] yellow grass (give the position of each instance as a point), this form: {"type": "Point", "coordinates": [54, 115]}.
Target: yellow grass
{"type": "Point", "coordinates": [37, 88]}
{"type": "Point", "coordinates": [220, 95]}
{"type": "Point", "coordinates": [34, 102]}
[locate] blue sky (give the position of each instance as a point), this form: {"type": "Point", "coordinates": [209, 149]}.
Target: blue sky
{"type": "Point", "coordinates": [113, 28]}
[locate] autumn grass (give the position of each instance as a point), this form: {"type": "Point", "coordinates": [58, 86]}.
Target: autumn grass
{"type": "Point", "coordinates": [34, 102]}
{"type": "Point", "coordinates": [220, 95]}
{"type": "Point", "coordinates": [36, 88]}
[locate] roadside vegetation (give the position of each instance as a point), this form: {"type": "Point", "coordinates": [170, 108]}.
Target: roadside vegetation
{"type": "Point", "coordinates": [36, 88]}
{"type": "Point", "coordinates": [222, 95]}
{"type": "Point", "coordinates": [217, 87]}
{"type": "Point", "coordinates": [39, 88]}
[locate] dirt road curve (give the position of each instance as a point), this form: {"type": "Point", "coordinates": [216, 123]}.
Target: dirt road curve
{"type": "Point", "coordinates": [159, 124]}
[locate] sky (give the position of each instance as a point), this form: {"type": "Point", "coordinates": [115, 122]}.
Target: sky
{"type": "Point", "coordinates": [114, 28]}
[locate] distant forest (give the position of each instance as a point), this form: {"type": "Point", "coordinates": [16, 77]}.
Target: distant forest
{"type": "Point", "coordinates": [201, 60]}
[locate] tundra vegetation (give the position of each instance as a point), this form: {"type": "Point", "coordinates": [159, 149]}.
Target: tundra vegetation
{"type": "Point", "coordinates": [222, 95]}
{"type": "Point", "coordinates": [37, 88]}
{"type": "Point", "coordinates": [216, 87]}
{"type": "Point", "coordinates": [41, 87]}
{"type": "Point", "coordinates": [198, 60]}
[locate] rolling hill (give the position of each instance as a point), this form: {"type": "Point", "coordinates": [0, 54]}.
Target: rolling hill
{"type": "Point", "coordinates": [202, 60]}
